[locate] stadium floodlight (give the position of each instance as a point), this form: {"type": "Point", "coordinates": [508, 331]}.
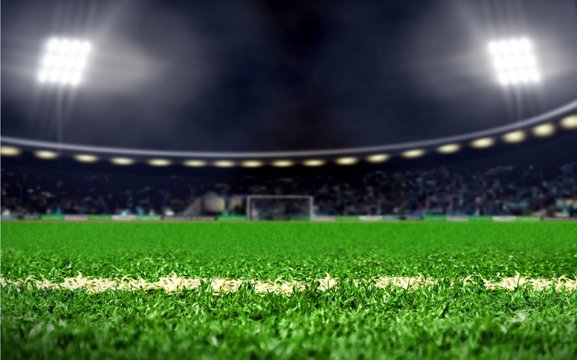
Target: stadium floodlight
{"type": "Point", "coordinates": [378, 158]}
{"type": "Point", "coordinates": [543, 130]}
{"type": "Point", "coordinates": [223, 163]}
{"type": "Point", "coordinates": [122, 161]}
{"type": "Point", "coordinates": [251, 163]}
{"type": "Point", "coordinates": [413, 154]}
{"type": "Point", "coordinates": [46, 154]}
{"type": "Point", "coordinates": [194, 163]}
{"type": "Point", "coordinates": [64, 61]}
{"type": "Point", "coordinates": [483, 143]}
{"type": "Point", "coordinates": [515, 61]}
{"type": "Point", "coordinates": [314, 162]}
{"type": "Point", "coordinates": [159, 162]}
{"type": "Point", "coordinates": [569, 123]}
{"type": "Point", "coordinates": [9, 151]}
{"type": "Point", "coordinates": [514, 137]}
{"type": "Point", "coordinates": [449, 148]}
{"type": "Point", "coordinates": [346, 161]}
{"type": "Point", "coordinates": [282, 163]}
{"type": "Point", "coordinates": [86, 158]}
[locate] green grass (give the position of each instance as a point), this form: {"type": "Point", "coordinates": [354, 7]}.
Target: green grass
{"type": "Point", "coordinates": [441, 321]}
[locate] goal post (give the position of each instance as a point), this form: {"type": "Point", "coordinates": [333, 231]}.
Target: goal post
{"type": "Point", "coordinates": [279, 207]}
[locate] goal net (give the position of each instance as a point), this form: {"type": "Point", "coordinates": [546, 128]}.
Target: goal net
{"type": "Point", "coordinates": [279, 207]}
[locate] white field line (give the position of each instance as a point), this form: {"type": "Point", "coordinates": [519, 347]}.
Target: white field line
{"type": "Point", "coordinates": [279, 286]}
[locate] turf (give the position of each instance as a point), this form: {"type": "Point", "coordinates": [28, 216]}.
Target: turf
{"type": "Point", "coordinates": [446, 320]}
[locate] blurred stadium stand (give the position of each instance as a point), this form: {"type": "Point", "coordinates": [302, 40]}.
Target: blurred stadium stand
{"type": "Point", "coordinates": [502, 190]}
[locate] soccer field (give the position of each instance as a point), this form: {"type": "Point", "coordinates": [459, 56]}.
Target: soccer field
{"type": "Point", "coordinates": [289, 290]}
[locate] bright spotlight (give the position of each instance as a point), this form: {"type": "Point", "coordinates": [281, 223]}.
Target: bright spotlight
{"type": "Point", "coordinates": [9, 151]}
{"type": "Point", "coordinates": [314, 162]}
{"type": "Point", "coordinates": [449, 148]}
{"type": "Point", "coordinates": [378, 158]}
{"type": "Point", "coordinates": [514, 137]}
{"type": "Point", "coordinates": [122, 161]}
{"type": "Point", "coordinates": [347, 161]}
{"type": "Point", "coordinates": [63, 61]}
{"type": "Point", "coordinates": [515, 61]}
{"type": "Point", "coordinates": [251, 163]}
{"type": "Point", "coordinates": [86, 158]}
{"type": "Point", "coordinates": [46, 154]}
{"type": "Point", "coordinates": [159, 162]}
{"type": "Point", "coordinates": [483, 143]}
{"type": "Point", "coordinates": [282, 163]}
{"type": "Point", "coordinates": [413, 154]}
{"type": "Point", "coordinates": [543, 130]}
{"type": "Point", "coordinates": [569, 123]}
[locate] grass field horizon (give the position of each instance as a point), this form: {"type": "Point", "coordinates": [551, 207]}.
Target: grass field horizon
{"type": "Point", "coordinates": [446, 318]}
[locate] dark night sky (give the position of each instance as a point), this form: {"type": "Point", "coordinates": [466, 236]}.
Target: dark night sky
{"type": "Point", "coordinates": [243, 75]}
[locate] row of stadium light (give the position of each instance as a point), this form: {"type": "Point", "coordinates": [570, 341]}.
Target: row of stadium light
{"type": "Point", "coordinates": [540, 131]}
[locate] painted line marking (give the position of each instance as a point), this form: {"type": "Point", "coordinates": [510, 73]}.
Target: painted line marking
{"type": "Point", "coordinates": [279, 286]}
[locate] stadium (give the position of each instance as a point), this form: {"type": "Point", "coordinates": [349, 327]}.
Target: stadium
{"type": "Point", "coordinates": [289, 179]}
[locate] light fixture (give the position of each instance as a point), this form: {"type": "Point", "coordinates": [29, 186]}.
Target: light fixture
{"type": "Point", "coordinates": [122, 161]}
{"type": "Point", "coordinates": [282, 163]}
{"type": "Point", "coordinates": [223, 163]}
{"type": "Point", "coordinates": [378, 158]}
{"type": "Point", "coordinates": [483, 143]}
{"type": "Point", "coordinates": [85, 158]}
{"type": "Point", "coordinates": [46, 154]}
{"type": "Point", "coordinates": [346, 161]}
{"type": "Point", "coordinates": [543, 130]}
{"type": "Point", "coordinates": [449, 148]}
{"type": "Point", "coordinates": [515, 61]}
{"type": "Point", "coordinates": [9, 151]}
{"type": "Point", "coordinates": [159, 162]}
{"type": "Point", "coordinates": [64, 61]}
{"type": "Point", "coordinates": [314, 162]}
{"type": "Point", "coordinates": [514, 137]}
{"type": "Point", "coordinates": [413, 154]}
{"type": "Point", "coordinates": [194, 163]}
{"type": "Point", "coordinates": [569, 123]}
{"type": "Point", "coordinates": [251, 163]}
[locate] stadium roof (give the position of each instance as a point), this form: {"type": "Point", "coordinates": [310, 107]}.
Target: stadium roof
{"type": "Point", "coordinates": [280, 76]}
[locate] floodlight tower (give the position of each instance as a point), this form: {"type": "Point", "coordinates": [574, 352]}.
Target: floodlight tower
{"type": "Point", "coordinates": [515, 61]}
{"type": "Point", "coordinates": [63, 61]}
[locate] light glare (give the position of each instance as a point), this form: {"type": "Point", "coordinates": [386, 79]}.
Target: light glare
{"type": "Point", "coordinates": [251, 164]}
{"type": "Point", "coordinates": [569, 123]}
{"type": "Point", "coordinates": [515, 61]}
{"type": "Point", "coordinates": [544, 130]}
{"type": "Point", "coordinates": [413, 154]}
{"type": "Point", "coordinates": [159, 162]}
{"type": "Point", "coordinates": [449, 148]}
{"type": "Point", "coordinates": [514, 137]}
{"type": "Point", "coordinates": [194, 163]}
{"type": "Point", "coordinates": [223, 163]}
{"type": "Point", "coordinates": [483, 143]}
{"type": "Point", "coordinates": [46, 154]}
{"type": "Point", "coordinates": [64, 61]}
{"type": "Point", "coordinates": [86, 158]}
{"type": "Point", "coordinates": [283, 163]}
{"type": "Point", "coordinates": [9, 151]}
{"type": "Point", "coordinates": [122, 161]}
{"type": "Point", "coordinates": [378, 158]}
{"type": "Point", "coordinates": [347, 161]}
{"type": "Point", "coordinates": [314, 162]}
